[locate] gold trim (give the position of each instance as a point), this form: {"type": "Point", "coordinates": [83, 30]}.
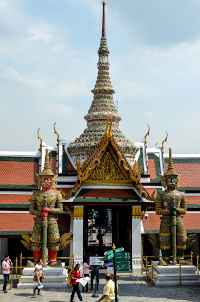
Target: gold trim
{"type": "Point", "coordinates": [70, 213]}
{"type": "Point", "coordinates": [164, 234]}
{"type": "Point", "coordinates": [165, 140]}
{"type": "Point", "coordinates": [107, 143]}
{"type": "Point", "coordinates": [78, 212]}
{"type": "Point", "coordinates": [39, 137]}
{"type": "Point", "coordinates": [145, 138]}
{"type": "Point", "coordinates": [136, 212]}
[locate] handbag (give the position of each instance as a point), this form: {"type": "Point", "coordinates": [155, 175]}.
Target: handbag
{"type": "Point", "coordinates": [35, 278]}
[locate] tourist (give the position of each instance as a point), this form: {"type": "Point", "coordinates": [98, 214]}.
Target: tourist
{"type": "Point", "coordinates": [38, 276]}
{"type": "Point", "coordinates": [95, 272]}
{"type": "Point", "coordinates": [108, 291]}
{"type": "Point", "coordinates": [74, 276]}
{"type": "Point", "coordinates": [86, 267]}
{"type": "Point", "coordinates": [6, 266]}
{"type": "Point", "coordinates": [118, 288]}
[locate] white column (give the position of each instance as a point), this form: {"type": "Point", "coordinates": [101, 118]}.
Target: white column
{"type": "Point", "coordinates": [78, 235]}
{"type": "Point", "coordinates": [136, 240]}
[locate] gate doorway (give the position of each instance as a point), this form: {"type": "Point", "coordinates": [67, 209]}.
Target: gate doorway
{"type": "Point", "coordinates": [104, 226]}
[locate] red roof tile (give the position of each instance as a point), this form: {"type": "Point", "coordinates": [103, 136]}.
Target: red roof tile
{"type": "Point", "coordinates": [69, 165]}
{"type": "Point", "coordinates": [16, 222]}
{"type": "Point", "coordinates": [106, 193]}
{"type": "Point", "coordinates": [18, 173]}
{"type": "Point", "coordinates": [53, 164]}
{"type": "Point", "coordinates": [191, 222]}
{"type": "Point", "coordinates": [14, 199]}
{"type": "Point", "coordinates": [11, 222]}
{"type": "Point", "coordinates": [151, 168]}
{"type": "Point", "coordinates": [193, 199]}
{"type": "Point", "coordinates": [66, 190]}
{"type": "Point", "coordinates": [189, 174]}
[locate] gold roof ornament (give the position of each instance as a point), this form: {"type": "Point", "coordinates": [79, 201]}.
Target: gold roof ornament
{"type": "Point", "coordinates": [165, 140]}
{"type": "Point", "coordinates": [47, 168]}
{"type": "Point", "coordinates": [39, 137]}
{"type": "Point", "coordinates": [170, 170]}
{"type": "Point", "coordinates": [145, 138]}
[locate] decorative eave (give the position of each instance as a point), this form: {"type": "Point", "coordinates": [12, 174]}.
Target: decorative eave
{"type": "Point", "coordinates": [92, 162]}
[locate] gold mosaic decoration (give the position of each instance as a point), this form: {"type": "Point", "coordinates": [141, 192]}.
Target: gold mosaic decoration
{"type": "Point", "coordinates": [108, 172]}
{"type": "Point", "coordinates": [107, 166]}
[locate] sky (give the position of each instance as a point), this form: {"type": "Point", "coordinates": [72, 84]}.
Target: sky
{"type": "Point", "coordinates": [48, 57]}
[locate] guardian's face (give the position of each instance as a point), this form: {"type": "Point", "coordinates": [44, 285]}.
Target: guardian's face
{"type": "Point", "coordinates": [171, 181]}
{"type": "Point", "coordinates": [46, 182]}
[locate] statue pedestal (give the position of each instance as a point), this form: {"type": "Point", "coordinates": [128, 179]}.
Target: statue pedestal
{"type": "Point", "coordinates": [54, 277]}
{"type": "Point", "coordinates": [172, 275]}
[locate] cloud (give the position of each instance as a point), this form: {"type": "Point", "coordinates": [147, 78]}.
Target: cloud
{"type": "Point", "coordinates": [57, 109]}
{"type": "Point", "coordinates": [40, 34]}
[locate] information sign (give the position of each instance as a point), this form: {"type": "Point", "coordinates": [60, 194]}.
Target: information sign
{"type": "Point", "coordinates": [123, 256]}
{"type": "Point", "coordinates": [96, 260]}
{"type": "Point", "coordinates": [123, 269]}
{"type": "Point", "coordinates": [127, 262]}
{"type": "Point", "coordinates": [109, 253]}
{"type": "Point", "coordinates": [119, 250]}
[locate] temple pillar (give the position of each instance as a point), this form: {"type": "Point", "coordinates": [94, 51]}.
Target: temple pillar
{"type": "Point", "coordinates": [136, 240]}
{"type": "Point", "coordinates": [78, 235]}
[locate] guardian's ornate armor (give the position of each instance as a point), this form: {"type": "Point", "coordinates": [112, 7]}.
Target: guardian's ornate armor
{"type": "Point", "coordinates": [165, 202]}
{"type": "Point", "coordinates": [54, 203]}
{"type": "Point", "coordinates": [171, 204]}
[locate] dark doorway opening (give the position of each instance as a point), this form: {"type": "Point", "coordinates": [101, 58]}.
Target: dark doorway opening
{"type": "Point", "coordinates": [104, 226]}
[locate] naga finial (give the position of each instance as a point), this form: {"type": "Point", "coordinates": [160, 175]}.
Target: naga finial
{"type": "Point", "coordinates": [165, 140]}
{"type": "Point", "coordinates": [58, 140]}
{"type": "Point", "coordinates": [145, 138]}
{"type": "Point", "coordinates": [56, 131]}
{"type": "Point", "coordinates": [39, 137]}
{"type": "Point", "coordinates": [104, 20]}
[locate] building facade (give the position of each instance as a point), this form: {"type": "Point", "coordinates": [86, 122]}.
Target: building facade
{"type": "Point", "coordinates": [109, 183]}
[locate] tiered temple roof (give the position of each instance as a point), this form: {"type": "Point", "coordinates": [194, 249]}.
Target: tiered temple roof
{"type": "Point", "coordinates": [101, 107]}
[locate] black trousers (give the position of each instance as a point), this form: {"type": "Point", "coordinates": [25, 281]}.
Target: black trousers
{"type": "Point", "coordinates": [6, 279]}
{"type": "Point", "coordinates": [37, 286]}
{"type": "Point", "coordinates": [76, 290]}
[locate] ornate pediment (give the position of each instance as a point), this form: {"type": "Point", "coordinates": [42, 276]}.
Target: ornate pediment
{"type": "Point", "coordinates": [108, 172]}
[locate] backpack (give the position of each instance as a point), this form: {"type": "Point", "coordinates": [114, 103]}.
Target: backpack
{"type": "Point", "coordinates": [69, 279]}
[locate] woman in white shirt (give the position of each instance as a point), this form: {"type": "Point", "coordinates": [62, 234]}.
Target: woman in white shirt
{"type": "Point", "coordinates": [86, 267]}
{"type": "Point", "coordinates": [39, 276]}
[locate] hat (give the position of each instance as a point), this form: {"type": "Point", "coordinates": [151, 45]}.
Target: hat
{"type": "Point", "coordinates": [170, 170]}
{"type": "Point", "coordinates": [47, 168]}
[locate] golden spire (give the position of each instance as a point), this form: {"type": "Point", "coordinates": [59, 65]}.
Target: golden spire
{"type": "Point", "coordinates": [107, 124]}
{"type": "Point", "coordinates": [104, 20]}
{"type": "Point", "coordinates": [110, 133]}
{"type": "Point", "coordinates": [170, 170]}
{"type": "Point", "coordinates": [165, 140]}
{"type": "Point", "coordinates": [145, 138]}
{"type": "Point", "coordinates": [39, 137]}
{"type": "Point", "coordinates": [47, 168]}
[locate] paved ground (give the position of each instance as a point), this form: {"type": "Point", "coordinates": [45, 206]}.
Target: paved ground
{"type": "Point", "coordinates": [132, 289]}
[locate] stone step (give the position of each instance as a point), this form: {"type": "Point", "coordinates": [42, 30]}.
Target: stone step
{"type": "Point", "coordinates": [25, 279]}
{"type": "Point", "coordinates": [175, 282]}
{"type": "Point", "coordinates": [46, 285]}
